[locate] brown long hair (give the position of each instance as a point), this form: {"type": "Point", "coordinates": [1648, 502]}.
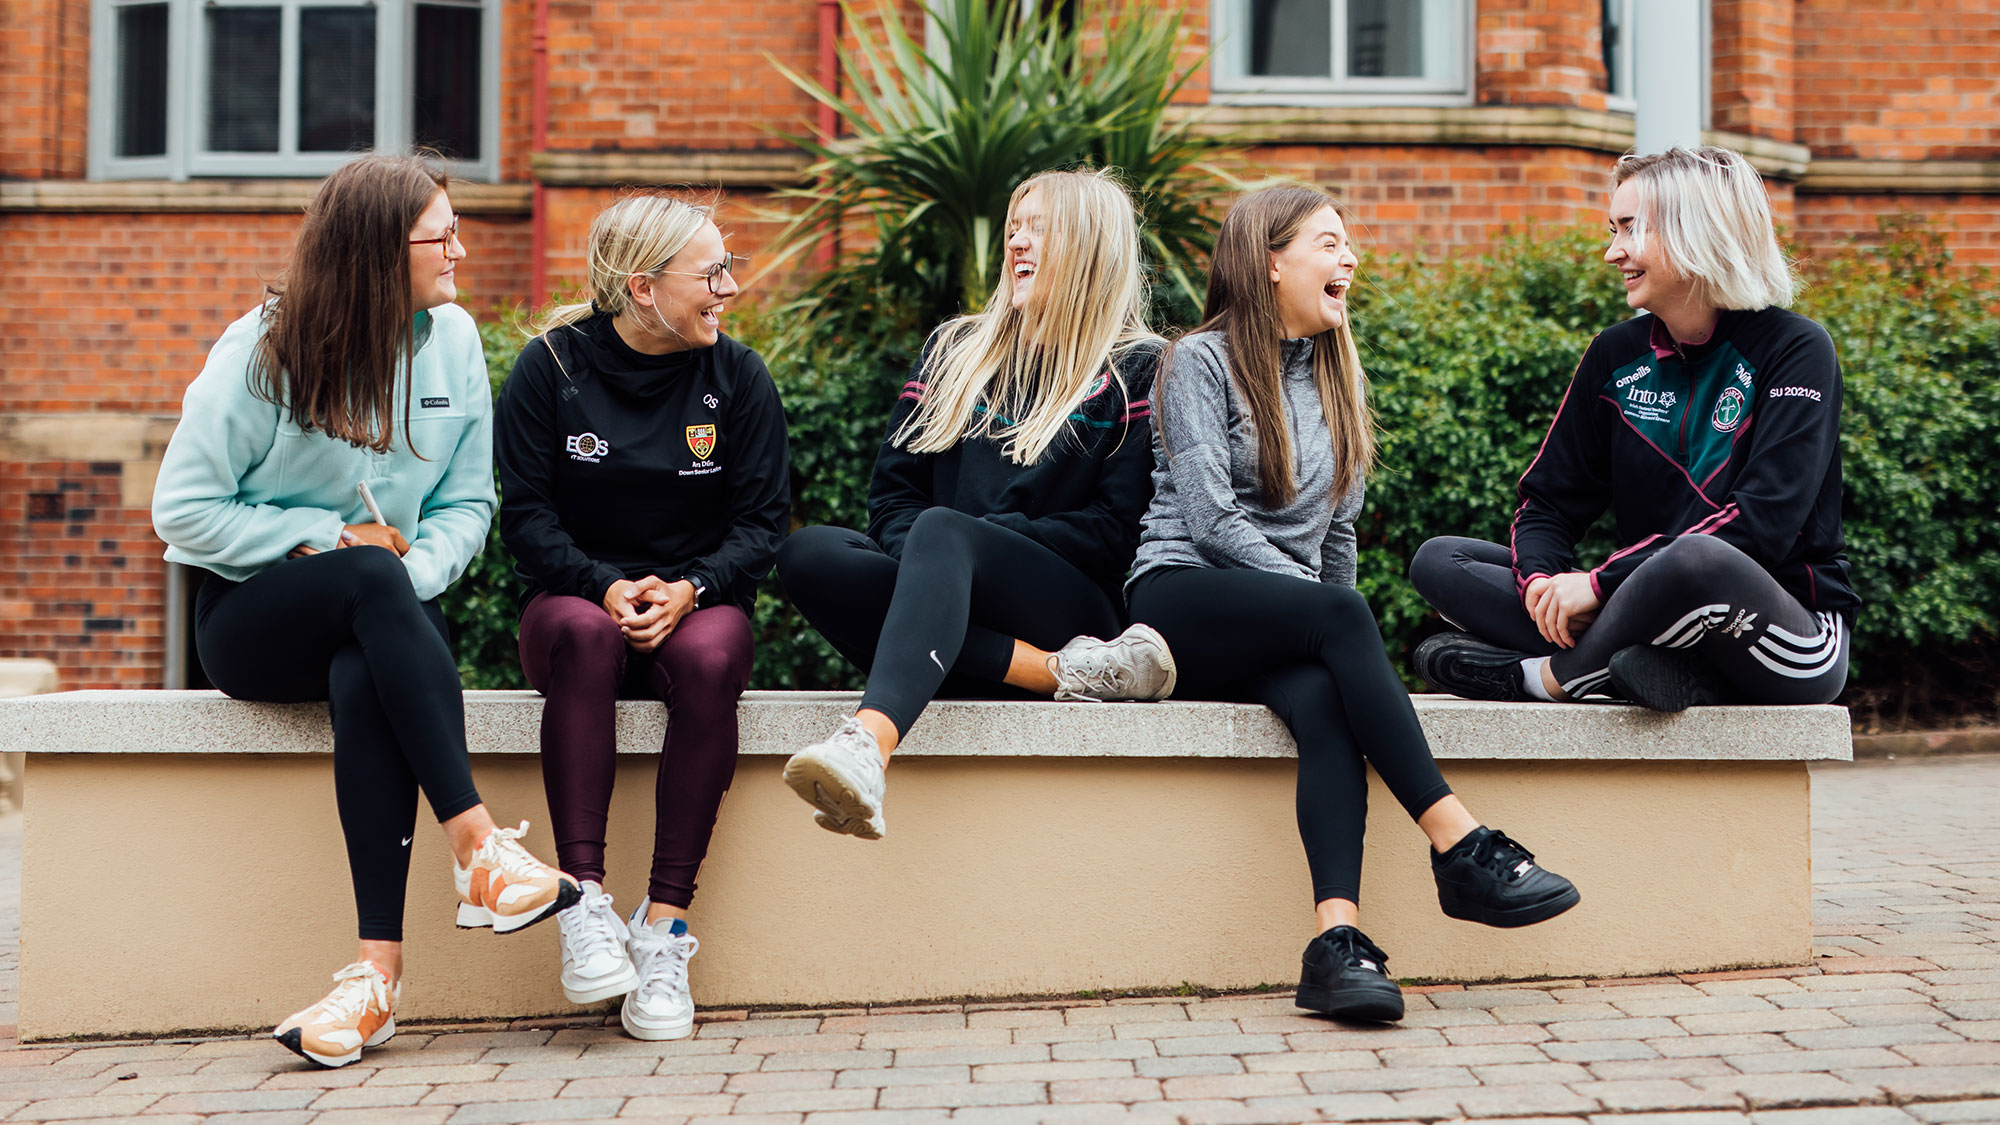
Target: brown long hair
{"type": "Point", "coordinates": [1243, 305]}
{"type": "Point", "coordinates": [341, 331]}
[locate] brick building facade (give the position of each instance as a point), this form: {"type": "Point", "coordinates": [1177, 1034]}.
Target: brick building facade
{"type": "Point", "coordinates": [132, 237]}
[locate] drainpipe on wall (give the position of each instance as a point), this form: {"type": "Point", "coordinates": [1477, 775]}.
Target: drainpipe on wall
{"type": "Point", "coordinates": [829, 121]}
{"type": "Point", "coordinates": [538, 284]}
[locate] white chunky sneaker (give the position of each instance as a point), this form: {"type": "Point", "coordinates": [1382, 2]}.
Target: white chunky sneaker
{"type": "Point", "coordinates": [1136, 664]}
{"type": "Point", "coordinates": [661, 1007]}
{"type": "Point", "coordinates": [592, 937]}
{"type": "Point", "coordinates": [843, 778]}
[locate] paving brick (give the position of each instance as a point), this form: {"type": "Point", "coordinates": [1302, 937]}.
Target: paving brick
{"type": "Point", "coordinates": [558, 1109]}
{"type": "Point", "coordinates": [1923, 1083]}
{"type": "Point", "coordinates": [234, 1101]}
{"type": "Point", "coordinates": [1950, 1113]}
{"type": "Point", "coordinates": [1717, 1045]}
{"type": "Point", "coordinates": [1312, 1107]}
{"type": "Point", "coordinates": [1833, 1115]}
{"type": "Point", "coordinates": [642, 1085]}
{"type": "Point", "coordinates": [1365, 1038]}
{"type": "Point", "coordinates": [108, 1105]}
{"type": "Point", "coordinates": [1655, 1094]}
{"type": "Point", "coordinates": [835, 1060]}
{"type": "Point", "coordinates": [1388, 1078]}
{"type": "Point", "coordinates": [1280, 1024]}
{"type": "Point", "coordinates": [1874, 965]}
{"type": "Point", "coordinates": [1053, 1071]}
{"type": "Point", "coordinates": [1553, 1013]}
{"type": "Point", "coordinates": [778, 1080]}
{"type": "Point", "coordinates": [602, 1066]}
{"type": "Point", "coordinates": [1104, 1090]}
{"type": "Point", "coordinates": [387, 1115]}
{"type": "Point", "coordinates": [678, 1105]}
{"type": "Point", "coordinates": [708, 1064]}
{"type": "Point", "coordinates": [804, 1101]}
{"type": "Point", "coordinates": [1220, 1045]}
{"type": "Point", "coordinates": [1891, 1035]}
{"type": "Point", "coordinates": [1119, 1014]}
{"type": "Point", "coordinates": [949, 1037]}
{"type": "Point", "coordinates": [968, 1056]}
{"type": "Point", "coordinates": [1877, 1015]}
{"type": "Point", "coordinates": [1016, 1017]}
{"type": "Point", "coordinates": [1199, 1086]}
{"type": "Point", "coordinates": [1207, 1111]}
{"type": "Point", "coordinates": [1779, 1091]}
{"type": "Point", "coordinates": [370, 1097]}
{"type": "Point", "coordinates": [1697, 1005]}
{"type": "Point", "coordinates": [177, 1083]}
{"type": "Point", "coordinates": [1489, 998]}
{"type": "Point", "coordinates": [748, 1119]}
{"type": "Point", "coordinates": [1600, 1050]}
{"type": "Point", "coordinates": [1455, 1017]}
{"type": "Point", "coordinates": [1497, 1033]}
{"type": "Point", "coordinates": [1987, 1031]}
{"type": "Point", "coordinates": [737, 1029]}
{"type": "Point", "coordinates": [1516, 1101]}
{"type": "Point", "coordinates": [957, 1094]}
{"type": "Point", "coordinates": [1623, 1070]}
{"type": "Point", "coordinates": [1487, 1055]}
{"type": "Point", "coordinates": [902, 1021]}
{"type": "Point", "coordinates": [1095, 1033]}
{"type": "Point", "coordinates": [1531, 1074]}
{"type": "Point", "coordinates": [1775, 1020]}
{"type": "Point", "coordinates": [878, 1117]}
{"type": "Point", "coordinates": [785, 1044]}
{"type": "Point", "coordinates": [503, 1091]}
{"type": "Point", "coordinates": [1771, 1062]}
{"type": "Point", "coordinates": [1299, 1062]}
{"type": "Point", "coordinates": [487, 1040]}
{"type": "Point", "coordinates": [1647, 1027]}
{"type": "Point", "coordinates": [1170, 1029]}
{"type": "Point", "coordinates": [901, 1076]}
{"type": "Point", "coordinates": [1106, 1049]}
{"type": "Point", "coordinates": [1951, 1054]}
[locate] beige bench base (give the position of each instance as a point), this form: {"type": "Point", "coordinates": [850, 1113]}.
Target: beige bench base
{"type": "Point", "coordinates": [170, 891]}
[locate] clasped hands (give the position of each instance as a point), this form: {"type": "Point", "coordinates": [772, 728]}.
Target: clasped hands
{"type": "Point", "coordinates": [362, 535]}
{"type": "Point", "coordinates": [647, 610]}
{"type": "Point", "coordinates": [1561, 606]}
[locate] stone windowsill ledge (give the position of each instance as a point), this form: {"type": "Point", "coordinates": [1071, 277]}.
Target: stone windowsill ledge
{"type": "Point", "coordinates": [778, 723]}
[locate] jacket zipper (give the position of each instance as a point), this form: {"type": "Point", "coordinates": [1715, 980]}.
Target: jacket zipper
{"type": "Point", "coordinates": [1687, 400]}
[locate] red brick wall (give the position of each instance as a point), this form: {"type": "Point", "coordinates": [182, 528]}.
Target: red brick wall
{"type": "Point", "coordinates": [1970, 223]}
{"type": "Point", "coordinates": [1540, 52]}
{"type": "Point", "coordinates": [1899, 79]}
{"type": "Point", "coordinates": [1751, 67]}
{"type": "Point", "coordinates": [44, 88]}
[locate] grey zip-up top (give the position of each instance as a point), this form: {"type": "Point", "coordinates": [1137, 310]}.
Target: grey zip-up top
{"type": "Point", "coordinates": [1207, 507]}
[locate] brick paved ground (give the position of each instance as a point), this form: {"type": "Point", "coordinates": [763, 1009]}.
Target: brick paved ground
{"type": "Point", "coordinates": [1898, 1022]}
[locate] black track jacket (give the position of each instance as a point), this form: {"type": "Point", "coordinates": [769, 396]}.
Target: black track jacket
{"type": "Point", "coordinates": [616, 464]}
{"type": "Point", "coordinates": [1083, 499]}
{"type": "Point", "coordinates": [1737, 437]}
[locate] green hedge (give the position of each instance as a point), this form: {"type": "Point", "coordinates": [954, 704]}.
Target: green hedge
{"type": "Point", "coordinates": [1468, 360]}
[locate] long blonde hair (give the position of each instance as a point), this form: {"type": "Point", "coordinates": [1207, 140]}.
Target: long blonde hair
{"type": "Point", "coordinates": [639, 234]}
{"type": "Point", "coordinates": [1708, 208]}
{"type": "Point", "coordinates": [1018, 374]}
{"type": "Point", "coordinates": [1243, 305]}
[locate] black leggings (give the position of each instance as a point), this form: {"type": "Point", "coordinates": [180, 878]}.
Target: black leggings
{"type": "Point", "coordinates": [1696, 593]}
{"type": "Point", "coordinates": [346, 626]}
{"type": "Point", "coordinates": [1312, 653]}
{"type": "Point", "coordinates": [943, 621]}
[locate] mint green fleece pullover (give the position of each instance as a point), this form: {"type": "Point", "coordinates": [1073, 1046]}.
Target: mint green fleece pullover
{"type": "Point", "coordinates": [241, 485]}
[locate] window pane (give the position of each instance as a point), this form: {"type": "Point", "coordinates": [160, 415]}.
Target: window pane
{"type": "Point", "coordinates": [1616, 80]}
{"type": "Point", "coordinates": [142, 81]}
{"type": "Point", "coordinates": [1291, 38]}
{"type": "Point", "coordinates": [243, 63]}
{"type": "Point", "coordinates": [448, 87]}
{"type": "Point", "coordinates": [1385, 39]}
{"type": "Point", "coordinates": [336, 79]}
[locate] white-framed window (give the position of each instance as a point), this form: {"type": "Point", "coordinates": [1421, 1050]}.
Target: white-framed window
{"type": "Point", "coordinates": [186, 88]}
{"type": "Point", "coordinates": [1332, 52]}
{"type": "Point", "coordinates": [1618, 21]}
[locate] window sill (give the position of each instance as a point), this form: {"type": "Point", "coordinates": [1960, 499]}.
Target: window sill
{"type": "Point", "coordinates": [224, 196]}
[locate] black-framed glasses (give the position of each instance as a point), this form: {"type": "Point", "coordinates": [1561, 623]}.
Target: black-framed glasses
{"type": "Point", "coordinates": [444, 240]}
{"type": "Point", "coordinates": [714, 273]}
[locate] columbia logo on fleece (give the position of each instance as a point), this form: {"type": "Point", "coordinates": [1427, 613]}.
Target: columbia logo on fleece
{"type": "Point", "coordinates": [436, 403]}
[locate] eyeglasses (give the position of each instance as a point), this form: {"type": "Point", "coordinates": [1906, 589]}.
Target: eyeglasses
{"type": "Point", "coordinates": [444, 240]}
{"type": "Point", "coordinates": [714, 273]}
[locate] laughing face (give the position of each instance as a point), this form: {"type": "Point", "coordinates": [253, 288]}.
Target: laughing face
{"type": "Point", "coordinates": [689, 314]}
{"type": "Point", "coordinates": [1024, 247]}
{"type": "Point", "coordinates": [1311, 275]}
{"type": "Point", "coordinates": [1651, 282]}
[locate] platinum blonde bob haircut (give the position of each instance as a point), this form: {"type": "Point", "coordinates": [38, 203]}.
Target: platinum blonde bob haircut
{"type": "Point", "coordinates": [1018, 374]}
{"type": "Point", "coordinates": [636, 236]}
{"type": "Point", "coordinates": [1708, 209]}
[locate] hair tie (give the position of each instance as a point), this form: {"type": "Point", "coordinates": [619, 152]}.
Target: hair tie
{"type": "Point", "coordinates": [594, 307]}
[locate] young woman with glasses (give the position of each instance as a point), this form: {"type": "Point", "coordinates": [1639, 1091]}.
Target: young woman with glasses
{"type": "Point", "coordinates": [359, 371]}
{"type": "Point", "coordinates": [1247, 568]}
{"type": "Point", "coordinates": [1005, 505]}
{"type": "Point", "coordinates": [645, 485]}
{"type": "Point", "coordinates": [1710, 426]}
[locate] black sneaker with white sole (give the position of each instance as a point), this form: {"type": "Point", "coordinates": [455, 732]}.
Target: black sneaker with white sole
{"type": "Point", "coordinates": [1345, 976]}
{"type": "Point", "coordinates": [1464, 665]}
{"type": "Point", "coordinates": [1490, 879]}
{"type": "Point", "coordinates": [1665, 679]}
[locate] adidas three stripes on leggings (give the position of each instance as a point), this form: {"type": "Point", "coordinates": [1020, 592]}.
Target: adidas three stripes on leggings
{"type": "Point", "coordinates": [1697, 593]}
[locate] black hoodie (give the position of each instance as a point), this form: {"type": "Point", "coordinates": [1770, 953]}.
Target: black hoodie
{"type": "Point", "coordinates": [1083, 499]}
{"type": "Point", "coordinates": [1737, 437]}
{"type": "Point", "coordinates": [617, 464]}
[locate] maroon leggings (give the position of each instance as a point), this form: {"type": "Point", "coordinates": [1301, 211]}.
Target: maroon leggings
{"type": "Point", "coordinates": [575, 656]}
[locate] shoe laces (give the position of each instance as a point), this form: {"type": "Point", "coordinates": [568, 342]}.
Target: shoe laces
{"type": "Point", "coordinates": [355, 988]}
{"type": "Point", "coordinates": [592, 928]}
{"type": "Point", "coordinates": [1091, 672]}
{"type": "Point", "coordinates": [1353, 948]}
{"type": "Point", "coordinates": [858, 742]}
{"type": "Point", "coordinates": [662, 961]}
{"type": "Point", "coordinates": [503, 852]}
{"type": "Point", "coordinates": [1498, 851]}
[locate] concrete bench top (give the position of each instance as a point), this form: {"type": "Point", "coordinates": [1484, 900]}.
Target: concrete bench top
{"type": "Point", "coordinates": [780, 722]}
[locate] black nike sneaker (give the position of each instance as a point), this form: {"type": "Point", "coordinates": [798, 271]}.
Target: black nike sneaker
{"type": "Point", "coordinates": [1490, 879]}
{"type": "Point", "coordinates": [1345, 977]}
{"type": "Point", "coordinates": [1665, 679]}
{"type": "Point", "coordinates": [1462, 664]}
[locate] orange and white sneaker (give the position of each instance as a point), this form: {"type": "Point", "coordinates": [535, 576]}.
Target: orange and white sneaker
{"type": "Point", "coordinates": [356, 1014]}
{"type": "Point", "coordinates": [508, 889]}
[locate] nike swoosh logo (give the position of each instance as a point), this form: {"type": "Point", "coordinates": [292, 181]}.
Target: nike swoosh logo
{"type": "Point", "coordinates": [936, 661]}
{"type": "Point", "coordinates": [406, 841]}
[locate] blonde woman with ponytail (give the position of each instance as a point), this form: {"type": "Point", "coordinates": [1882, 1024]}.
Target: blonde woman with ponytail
{"type": "Point", "coordinates": [1247, 568]}
{"type": "Point", "coordinates": [645, 483]}
{"type": "Point", "coordinates": [1005, 505]}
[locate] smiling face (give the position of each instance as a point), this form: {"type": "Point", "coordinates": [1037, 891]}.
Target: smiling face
{"type": "Point", "coordinates": [1651, 282]}
{"type": "Point", "coordinates": [433, 265]}
{"type": "Point", "coordinates": [1311, 275]}
{"type": "Point", "coordinates": [1024, 246]}
{"type": "Point", "coordinates": [689, 316]}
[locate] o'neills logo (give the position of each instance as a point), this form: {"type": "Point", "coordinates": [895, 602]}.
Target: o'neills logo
{"type": "Point", "coordinates": [701, 441]}
{"type": "Point", "coordinates": [587, 447]}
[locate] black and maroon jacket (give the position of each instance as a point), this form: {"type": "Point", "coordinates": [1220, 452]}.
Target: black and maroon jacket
{"type": "Point", "coordinates": [1737, 437]}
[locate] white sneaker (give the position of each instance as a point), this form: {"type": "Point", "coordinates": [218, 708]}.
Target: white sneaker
{"type": "Point", "coordinates": [1136, 664]}
{"type": "Point", "coordinates": [592, 938]}
{"type": "Point", "coordinates": [843, 778]}
{"type": "Point", "coordinates": [661, 1007]}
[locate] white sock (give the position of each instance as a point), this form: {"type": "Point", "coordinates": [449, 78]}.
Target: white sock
{"type": "Point", "coordinates": [1531, 678]}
